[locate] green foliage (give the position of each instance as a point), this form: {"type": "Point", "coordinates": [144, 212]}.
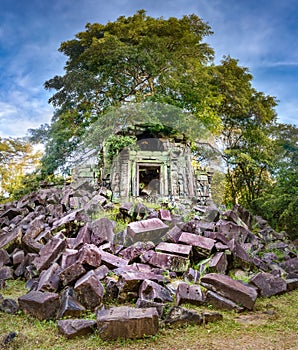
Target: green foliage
{"type": "Point", "coordinates": [116, 143]}
{"type": "Point", "coordinates": [17, 161]}
{"type": "Point", "coordinates": [279, 202]}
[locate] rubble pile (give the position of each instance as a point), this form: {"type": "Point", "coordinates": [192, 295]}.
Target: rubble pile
{"type": "Point", "coordinates": [73, 262]}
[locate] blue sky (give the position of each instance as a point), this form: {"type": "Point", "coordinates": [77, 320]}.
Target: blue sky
{"type": "Point", "coordinates": [261, 34]}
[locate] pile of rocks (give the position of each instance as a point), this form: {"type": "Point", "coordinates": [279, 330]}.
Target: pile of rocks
{"type": "Point", "coordinates": [73, 263]}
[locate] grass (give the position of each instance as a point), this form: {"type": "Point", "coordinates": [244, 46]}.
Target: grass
{"type": "Point", "coordinates": [273, 325]}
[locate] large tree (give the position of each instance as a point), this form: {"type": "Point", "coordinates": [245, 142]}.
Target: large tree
{"type": "Point", "coordinates": [132, 59]}
{"type": "Point", "coordinates": [246, 141]}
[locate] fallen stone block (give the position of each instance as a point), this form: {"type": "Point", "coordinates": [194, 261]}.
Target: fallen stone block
{"type": "Point", "coordinates": [126, 322]}
{"type": "Point", "coordinates": [43, 306]}
{"type": "Point", "coordinates": [4, 257]}
{"type": "Point", "coordinates": [220, 302]}
{"type": "Point", "coordinates": [102, 231]}
{"type": "Point", "coordinates": [18, 257]}
{"type": "Point", "coordinates": [173, 248]}
{"type": "Point", "coordinates": [132, 252]}
{"type": "Point", "coordinates": [234, 290]}
{"type": "Point", "coordinates": [6, 273]}
{"type": "Point", "coordinates": [7, 237]}
{"type": "Point", "coordinates": [72, 273]}
{"type": "Point", "coordinates": [49, 253]}
{"type": "Point", "coordinates": [172, 235]}
{"type": "Point", "coordinates": [89, 255]}
{"type": "Point", "coordinates": [147, 230]}
{"type": "Point", "coordinates": [112, 261]}
{"type": "Point", "coordinates": [290, 265]}
{"type": "Point", "coordinates": [69, 305]}
{"type": "Point", "coordinates": [209, 317]}
{"type": "Point", "coordinates": [178, 316]}
{"type": "Point", "coordinates": [101, 272]}
{"type": "Point", "coordinates": [35, 227]}
{"type": "Point", "coordinates": [76, 328]}
{"type": "Point", "coordinates": [240, 258]}
{"type": "Point", "coordinates": [150, 290]}
{"type": "Point", "coordinates": [171, 262]}
{"type": "Point", "coordinates": [203, 246]}
{"type": "Point", "coordinates": [8, 305]}
{"type": "Point", "coordinates": [292, 284]}
{"type": "Point", "coordinates": [165, 215]}
{"type": "Point", "coordinates": [219, 263]}
{"type": "Point", "coordinates": [49, 280]}
{"type": "Point", "coordinates": [191, 294]}
{"type": "Point", "coordinates": [89, 290]}
{"type": "Point", "coordinates": [83, 236]}
{"type": "Point", "coordinates": [142, 303]}
{"type": "Point", "coordinates": [231, 230]}
{"type": "Point", "coordinates": [268, 284]}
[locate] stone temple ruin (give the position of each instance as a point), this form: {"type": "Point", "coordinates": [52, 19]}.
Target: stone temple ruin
{"type": "Point", "coordinates": [157, 167]}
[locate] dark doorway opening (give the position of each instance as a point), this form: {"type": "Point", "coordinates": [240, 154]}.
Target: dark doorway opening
{"type": "Point", "coordinates": [148, 180]}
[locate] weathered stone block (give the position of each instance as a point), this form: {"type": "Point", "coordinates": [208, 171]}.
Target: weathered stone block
{"type": "Point", "coordinates": [142, 303]}
{"type": "Point", "coordinates": [43, 306]}
{"type": "Point", "coordinates": [202, 245]}
{"type": "Point", "coordinates": [150, 290]}
{"type": "Point", "coordinates": [18, 257]}
{"type": "Point", "coordinates": [191, 294]}
{"type": "Point", "coordinates": [219, 263]}
{"type": "Point", "coordinates": [240, 257]}
{"type": "Point", "coordinates": [268, 284]}
{"type": "Point", "coordinates": [71, 273]}
{"type": "Point", "coordinates": [173, 248]}
{"type": "Point", "coordinates": [6, 273]}
{"type": "Point", "coordinates": [220, 302]}
{"type": "Point", "coordinates": [49, 280]}
{"type": "Point", "coordinates": [231, 289]}
{"type": "Point", "coordinates": [4, 257]}
{"type": "Point", "coordinates": [135, 250]}
{"type": "Point", "coordinates": [74, 328]}
{"type": "Point", "coordinates": [8, 305]}
{"type": "Point", "coordinates": [169, 262]}
{"type": "Point", "coordinates": [69, 305]}
{"type": "Point", "coordinates": [102, 231]}
{"type": "Point", "coordinates": [83, 236]}
{"type": "Point", "coordinates": [101, 272]}
{"type": "Point", "coordinates": [165, 215]}
{"type": "Point", "coordinates": [127, 322]}
{"type": "Point", "coordinates": [89, 255]}
{"type": "Point", "coordinates": [172, 235]}
{"type": "Point", "coordinates": [111, 260]}
{"type": "Point", "coordinates": [179, 316]}
{"type": "Point", "coordinates": [290, 265]}
{"type": "Point", "coordinates": [147, 230]}
{"type": "Point", "coordinates": [29, 238]}
{"type": "Point", "coordinates": [89, 290]}
{"type": "Point", "coordinates": [49, 253]}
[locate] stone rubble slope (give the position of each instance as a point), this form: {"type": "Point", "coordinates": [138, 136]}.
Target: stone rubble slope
{"type": "Point", "coordinates": [73, 263]}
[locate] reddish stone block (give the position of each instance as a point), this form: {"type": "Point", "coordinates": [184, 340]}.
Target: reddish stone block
{"type": "Point", "coordinates": [147, 230]}
{"type": "Point", "coordinates": [191, 294]}
{"type": "Point", "coordinates": [127, 322]}
{"type": "Point", "coordinates": [202, 245]}
{"type": "Point", "coordinates": [76, 328]}
{"type": "Point", "coordinates": [234, 290]}
{"type": "Point", "coordinates": [89, 290]}
{"type": "Point", "coordinates": [173, 248]}
{"type": "Point", "coordinates": [43, 306]}
{"type": "Point", "coordinates": [169, 262]}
